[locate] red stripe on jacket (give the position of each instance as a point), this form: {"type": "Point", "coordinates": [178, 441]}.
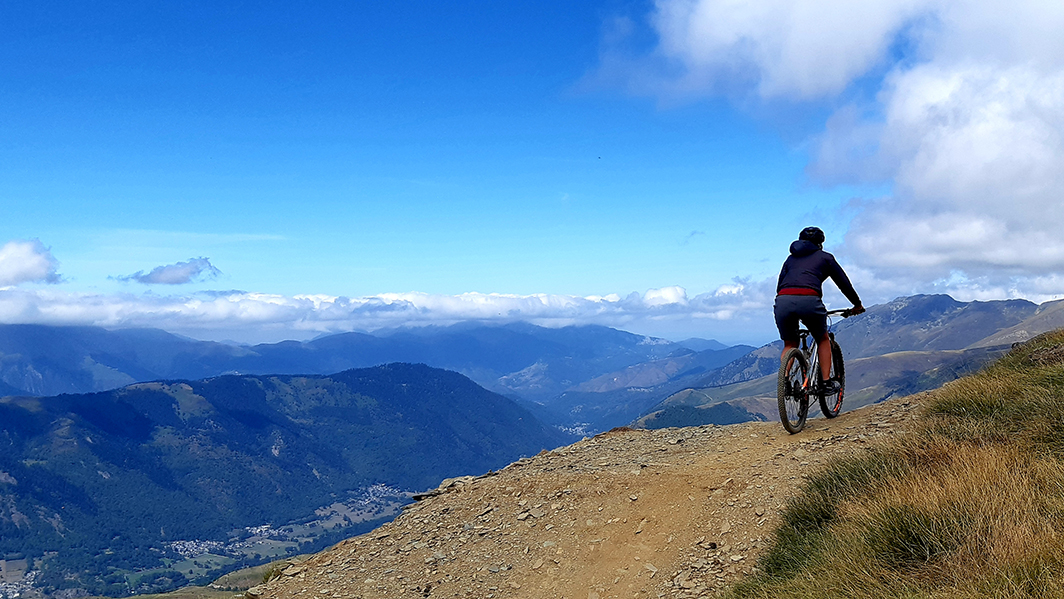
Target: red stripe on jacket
{"type": "Point", "coordinates": [797, 291]}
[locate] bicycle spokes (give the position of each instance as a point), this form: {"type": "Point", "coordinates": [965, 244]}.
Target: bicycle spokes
{"type": "Point", "coordinates": [792, 393]}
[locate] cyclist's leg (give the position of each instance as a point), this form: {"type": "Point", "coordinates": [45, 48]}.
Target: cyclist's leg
{"type": "Point", "coordinates": [815, 317]}
{"type": "Point", "coordinates": [786, 322]}
{"type": "Point", "coordinates": [823, 352]}
{"type": "Point", "coordinates": [788, 346]}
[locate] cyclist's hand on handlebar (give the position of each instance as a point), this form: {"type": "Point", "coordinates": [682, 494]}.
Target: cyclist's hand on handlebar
{"type": "Point", "coordinates": [854, 311]}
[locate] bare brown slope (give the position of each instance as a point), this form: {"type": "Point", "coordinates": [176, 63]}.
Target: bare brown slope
{"type": "Point", "coordinates": [633, 513]}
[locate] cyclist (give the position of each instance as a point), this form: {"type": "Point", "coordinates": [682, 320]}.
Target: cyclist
{"type": "Point", "coordinates": [798, 297]}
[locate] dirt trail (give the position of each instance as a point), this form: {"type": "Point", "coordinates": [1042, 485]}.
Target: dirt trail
{"type": "Point", "coordinates": [634, 513]}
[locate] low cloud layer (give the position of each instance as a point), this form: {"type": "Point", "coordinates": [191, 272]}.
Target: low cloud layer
{"type": "Point", "coordinates": [735, 311]}
{"type": "Point", "coordinates": [181, 273]}
{"type": "Point", "coordinates": [738, 312]}
{"type": "Point", "coordinates": [958, 106]}
{"type": "Point", "coordinates": [27, 261]}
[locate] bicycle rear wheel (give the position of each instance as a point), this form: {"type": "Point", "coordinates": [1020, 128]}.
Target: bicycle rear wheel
{"type": "Point", "coordinates": [831, 405]}
{"type": "Point", "coordinates": [793, 400]}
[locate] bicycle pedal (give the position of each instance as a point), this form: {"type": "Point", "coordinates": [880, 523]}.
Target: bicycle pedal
{"type": "Point", "coordinates": [830, 387]}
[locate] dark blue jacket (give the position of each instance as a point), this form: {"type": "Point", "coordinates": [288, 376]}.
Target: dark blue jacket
{"type": "Point", "coordinates": [808, 267]}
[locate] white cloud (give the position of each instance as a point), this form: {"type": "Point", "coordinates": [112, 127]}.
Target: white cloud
{"type": "Point", "coordinates": [180, 273]}
{"type": "Point", "coordinates": [665, 296]}
{"type": "Point", "coordinates": [965, 123]}
{"type": "Point", "coordinates": [27, 261]}
{"type": "Point", "coordinates": [788, 48]}
{"type": "Point", "coordinates": [726, 313]}
{"type": "Point", "coordinates": [976, 155]}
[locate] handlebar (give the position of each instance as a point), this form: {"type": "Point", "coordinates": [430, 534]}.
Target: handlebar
{"type": "Point", "coordinates": [848, 312]}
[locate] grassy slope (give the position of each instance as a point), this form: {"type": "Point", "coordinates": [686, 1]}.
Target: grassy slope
{"type": "Point", "coordinates": [970, 505]}
{"type": "Point", "coordinates": [231, 585]}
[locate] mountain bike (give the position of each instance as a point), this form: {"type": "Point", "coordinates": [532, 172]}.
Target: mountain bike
{"type": "Point", "coordinates": [800, 379]}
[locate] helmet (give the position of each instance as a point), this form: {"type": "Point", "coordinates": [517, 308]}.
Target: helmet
{"type": "Point", "coordinates": [813, 234]}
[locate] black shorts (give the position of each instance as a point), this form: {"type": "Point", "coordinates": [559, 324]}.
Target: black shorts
{"type": "Point", "coordinates": [809, 309]}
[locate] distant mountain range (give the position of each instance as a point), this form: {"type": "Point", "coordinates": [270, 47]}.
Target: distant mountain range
{"type": "Point", "coordinates": [583, 379]}
{"type": "Point", "coordinates": [99, 488]}
{"type": "Point", "coordinates": [525, 362]}
{"type": "Point", "coordinates": [617, 398]}
{"type": "Point", "coordinates": [534, 362]}
{"type": "Point", "coordinates": [933, 322]}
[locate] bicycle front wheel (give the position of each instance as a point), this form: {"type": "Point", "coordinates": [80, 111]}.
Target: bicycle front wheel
{"type": "Point", "coordinates": [791, 391]}
{"type": "Point", "coordinates": [831, 405]}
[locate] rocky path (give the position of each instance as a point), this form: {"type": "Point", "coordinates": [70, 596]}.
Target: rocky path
{"type": "Point", "coordinates": [630, 513]}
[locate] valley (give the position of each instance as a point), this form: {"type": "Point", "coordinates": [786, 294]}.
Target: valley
{"type": "Point", "coordinates": [111, 492]}
{"type": "Point", "coordinates": [204, 560]}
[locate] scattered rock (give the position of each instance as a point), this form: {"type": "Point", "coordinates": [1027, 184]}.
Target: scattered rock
{"type": "Point", "coordinates": [293, 569]}
{"type": "Point", "coordinates": [560, 524]}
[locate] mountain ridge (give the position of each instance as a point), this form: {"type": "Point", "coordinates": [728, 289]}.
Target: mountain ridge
{"type": "Point", "coordinates": [48, 360]}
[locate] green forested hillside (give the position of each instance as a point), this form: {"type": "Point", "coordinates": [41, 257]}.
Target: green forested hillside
{"type": "Point", "coordinates": [96, 487]}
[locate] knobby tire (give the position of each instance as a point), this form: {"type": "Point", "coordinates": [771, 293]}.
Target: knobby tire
{"type": "Point", "coordinates": [831, 405]}
{"type": "Point", "coordinates": [791, 394]}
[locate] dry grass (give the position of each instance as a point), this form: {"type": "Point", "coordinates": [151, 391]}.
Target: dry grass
{"type": "Point", "coordinates": [192, 593]}
{"type": "Point", "coordinates": [971, 505]}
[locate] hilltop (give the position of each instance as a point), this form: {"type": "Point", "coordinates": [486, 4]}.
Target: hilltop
{"type": "Point", "coordinates": [629, 513]}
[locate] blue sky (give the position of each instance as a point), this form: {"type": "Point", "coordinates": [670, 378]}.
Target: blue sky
{"type": "Point", "coordinates": [560, 150]}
